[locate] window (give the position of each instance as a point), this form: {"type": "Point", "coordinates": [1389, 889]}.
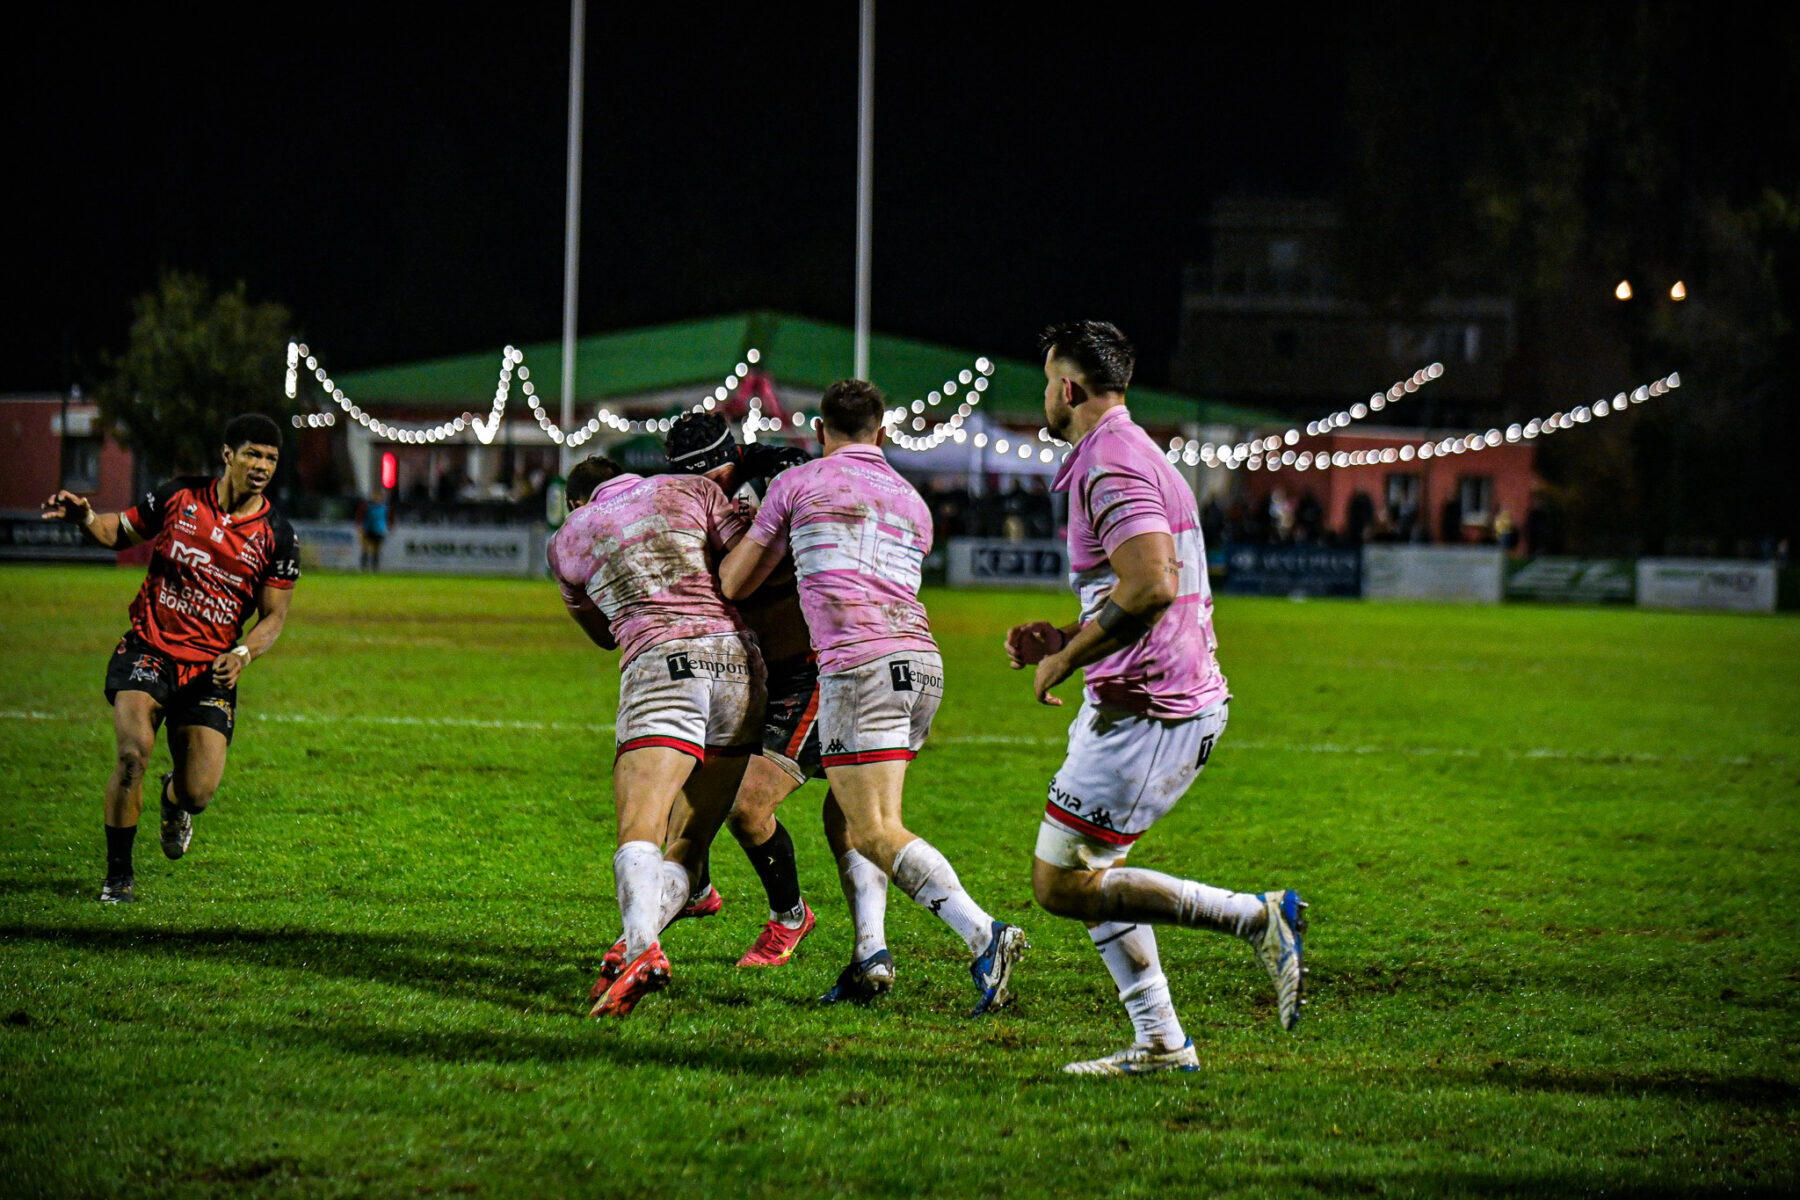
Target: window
{"type": "Point", "coordinates": [1402, 491]}
{"type": "Point", "coordinates": [1285, 343]}
{"type": "Point", "coordinates": [1477, 494]}
{"type": "Point", "coordinates": [81, 463]}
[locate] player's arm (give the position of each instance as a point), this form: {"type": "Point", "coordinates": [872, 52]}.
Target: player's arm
{"type": "Point", "coordinates": [271, 614]}
{"type": "Point", "coordinates": [593, 622]}
{"type": "Point", "coordinates": [104, 529]}
{"type": "Point", "coordinates": [1149, 574]}
{"type": "Point", "coordinates": [747, 566]}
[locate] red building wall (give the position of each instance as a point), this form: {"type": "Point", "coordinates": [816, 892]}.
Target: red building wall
{"type": "Point", "coordinates": [1508, 468]}
{"type": "Point", "coordinates": [30, 449]}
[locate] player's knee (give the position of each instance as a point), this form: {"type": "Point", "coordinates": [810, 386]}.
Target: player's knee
{"type": "Point", "coordinates": [194, 799]}
{"type": "Point", "coordinates": [1061, 892]}
{"type": "Point", "coordinates": [134, 760]}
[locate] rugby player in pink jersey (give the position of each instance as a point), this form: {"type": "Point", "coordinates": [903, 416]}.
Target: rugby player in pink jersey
{"type": "Point", "coordinates": [700, 443]}
{"type": "Point", "coordinates": [1155, 705]}
{"type": "Point", "coordinates": [635, 564]}
{"type": "Point", "coordinates": [859, 535]}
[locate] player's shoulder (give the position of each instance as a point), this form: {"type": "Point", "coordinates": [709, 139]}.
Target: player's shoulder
{"type": "Point", "coordinates": [279, 525]}
{"type": "Point", "coordinates": [174, 486]}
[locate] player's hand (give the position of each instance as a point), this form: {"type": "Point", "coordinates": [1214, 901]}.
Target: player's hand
{"type": "Point", "coordinates": [1051, 670]}
{"type": "Point", "coordinates": [1027, 644]}
{"type": "Point", "coordinates": [227, 667]}
{"type": "Point", "coordinates": [67, 506]}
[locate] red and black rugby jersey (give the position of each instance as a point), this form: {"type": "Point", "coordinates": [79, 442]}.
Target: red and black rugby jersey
{"type": "Point", "coordinates": [207, 567]}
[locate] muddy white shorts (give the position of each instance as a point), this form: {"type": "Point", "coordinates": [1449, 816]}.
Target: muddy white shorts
{"type": "Point", "coordinates": [1122, 774]}
{"type": "Point", "coordinates": [699, 695]}
{"type": "Point", "coordinates": [879, 711]}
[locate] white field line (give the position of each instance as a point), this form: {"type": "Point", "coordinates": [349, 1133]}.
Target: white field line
{"type": "Point", "coordinates": [983, 739]}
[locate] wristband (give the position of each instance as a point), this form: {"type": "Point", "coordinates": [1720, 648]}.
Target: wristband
{"type": "Point", "coordinates": [243, 650]}
{"type": "Point", "coordinates": [87, 522]}
{"type": "Point", "coordinates": [1119, 625]}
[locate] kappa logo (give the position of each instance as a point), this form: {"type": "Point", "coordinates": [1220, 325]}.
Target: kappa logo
{"type": "Point", "coordinates": [837, 747]}
{"type": "Point", "coordinates": [680, 667]}
{"type": "Point", "coordinates": [902, 675]}
{"type": "Point", "coordinates": [192, 556]}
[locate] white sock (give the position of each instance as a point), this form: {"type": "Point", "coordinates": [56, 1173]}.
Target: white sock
{"type": "Point", "coordinates": [793, 918]}
{"type": "Point", "coordinates": [675, 893]}
{"type": "Point", "coordinates": [640, 882]}
{"type": "Point", "coordinates": [1129, 951]}
{"type": "Point", "coordinates": [1165, 900]}
{"type": "Point", "coordinates": [927, 876]}
{"type": "Point", "coordinates": [865, 890]}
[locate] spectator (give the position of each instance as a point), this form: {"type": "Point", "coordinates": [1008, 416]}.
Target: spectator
{"type": "Point", "coordinates": [1359, 518]}
{"type": "Point", "coordinates": [1309, 518]}
{"type": "Point", "coordinates": [372, 519]}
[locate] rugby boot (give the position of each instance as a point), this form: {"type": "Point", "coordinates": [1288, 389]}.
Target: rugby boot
{"type": "Point", "coordinates": [611, 964]}
{"type": "Point", "coordinates": [861, 982]}
{"type": "Point", "coordinates": [777, 943]}
{"type": "Point", "coordinates": [1138, 1059]}
{"type": "Point", "coordinates": [705, 906]}
{"type": "Point", "coordinates": [177, 826]}
{"type": "Point", "coordinates": [992, 968]}
{"type": "Point", "coordinates": [1280, 947]}
{"type": "Point", "coordinates": [648, 972]}
{"type": "Point", "coordinates": [117, 890]}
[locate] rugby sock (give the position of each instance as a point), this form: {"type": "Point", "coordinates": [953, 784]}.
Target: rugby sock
{"type": "Point", "coordinates": [1129, 951]}
{"type": "Point", "coordinates": [675, 892]}
{"type": "Point", "coordinates": [702, 883]}
{"type": "Point", "coordinates": [639, 879]}
{"type": "Point", "coordinates": [774, 863]}
{"type": "Point", "coordinates": [865, 890]}
{"type": "Point", "coordinates": [118, 849]}
{"type": "Point", "coordinates": [928, 878]}
{"type": "Point", "coordinates": [1135, 894]}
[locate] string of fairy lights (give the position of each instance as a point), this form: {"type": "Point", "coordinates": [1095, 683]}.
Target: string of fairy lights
{"type": "Point", "coordinates": [906, 424]}
{"type": "Point", "coordinates": [1280, 456]}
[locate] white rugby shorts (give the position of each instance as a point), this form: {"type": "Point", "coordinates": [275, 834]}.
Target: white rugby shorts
{"type": "Point", "coordinates": [699, 695]}
{"type": "Point", "coordinates": [880, 711]}
{"type": "Point", "coordinates": [1123, 772]}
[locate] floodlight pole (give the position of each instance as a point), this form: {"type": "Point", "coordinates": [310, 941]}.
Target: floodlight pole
{"type": "Point", "coordinates": [865, 181]}
{"type": "Point", "coordinates": [572, 222]}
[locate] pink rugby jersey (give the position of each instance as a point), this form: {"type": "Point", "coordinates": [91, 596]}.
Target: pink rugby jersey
{"type": "Point", "coordinates": [643, 550]}
{"type": "Point", "coordinates": [1120, 486]}
{"type": "Point", "coordinates": [859, 534]}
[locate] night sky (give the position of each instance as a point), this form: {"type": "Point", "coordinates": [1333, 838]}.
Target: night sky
{"type": "Point", "coordinates": [397, 180]}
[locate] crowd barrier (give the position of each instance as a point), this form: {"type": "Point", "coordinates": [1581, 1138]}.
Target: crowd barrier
{"type": "Point", "coordinates": [427, 549]}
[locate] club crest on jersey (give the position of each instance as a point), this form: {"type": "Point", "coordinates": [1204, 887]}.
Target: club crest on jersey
{"type": "Point", "coordinates": [901, 672]}
{"type": "Point", "coordinates": [218, 535]}
{"type": "Point", "coordinates": [680, 667]}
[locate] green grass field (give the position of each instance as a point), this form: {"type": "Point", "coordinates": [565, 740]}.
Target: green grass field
{"type": "Point", "coordinates": [1555, 939]}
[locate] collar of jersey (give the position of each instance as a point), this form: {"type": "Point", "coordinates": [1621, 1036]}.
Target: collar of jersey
{"type": "Point", "coordinates": [1075, 460]}
{"type": "Point", "coordinates": [861, 450]}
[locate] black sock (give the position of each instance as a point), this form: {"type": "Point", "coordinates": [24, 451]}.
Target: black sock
{"type": "Point", "coordinates": [774, 863]}
{"type": "Point", "coordinates": [700, 884]}
{"type": "Point", "coordinates": [118, 850]}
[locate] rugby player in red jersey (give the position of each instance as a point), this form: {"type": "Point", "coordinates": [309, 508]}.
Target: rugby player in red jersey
{"type": "Point", "coordinates": [218, 551]}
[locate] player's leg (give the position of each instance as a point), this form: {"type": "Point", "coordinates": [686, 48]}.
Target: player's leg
{"type": "Point", "coordinates": [646, 781]}
{"type": "Point", "coordinates": [199, 754]}
{"type": "Point", "coordinates": [770, 849]}
{"type": "Point", "coordinates": [871, 969]}
{"type": "Point", "coordinates": [135, 718]}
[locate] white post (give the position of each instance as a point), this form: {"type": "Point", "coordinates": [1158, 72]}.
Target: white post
{"type": "Point", "coordinates": [572, 221]}
{"type": "Point", "coordinates": [865, 182]}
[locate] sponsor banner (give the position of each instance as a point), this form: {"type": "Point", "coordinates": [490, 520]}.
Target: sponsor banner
{"type": "Point", "coordinates": [26, 535]}
{"type": "Point", "coordinates": [334, 544]}
{"type": "Point", "coordinates": [1292, 570]}
{"type": "Point", "coordinates": [1706, 583]}
{"type": "Point", "coordinates": [1573, 580]}
{"type": "Point", "coordinates": [996, 562]}
{"type": "Point", "coordinates": [464, 551]}
{"type": "Point", "coordinates": [1462, 575]}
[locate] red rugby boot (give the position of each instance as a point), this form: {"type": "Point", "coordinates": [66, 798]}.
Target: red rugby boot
{"type": "Point", "coordinates": [610, 967]}
{"type": "Point", "coordinates": [705, 906]}
{"type": "Point", "coordinates": [777, 943]}
{"type": "Point", "coordinates": [648, 972]}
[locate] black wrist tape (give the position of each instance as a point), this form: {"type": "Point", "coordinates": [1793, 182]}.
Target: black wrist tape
{"type": "Point", "coordinates": [1120, 625]}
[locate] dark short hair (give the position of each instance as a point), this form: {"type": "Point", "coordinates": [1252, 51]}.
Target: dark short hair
{"type": "Point", "coordinates": [246, 428]}
{"type": "Point", "coordinates": [699, 442]}
{"type": "Point", "coordinates": [852, 408]}
{"type": "Point", "coordinates": [586, 476]}
{"type": "Point", "coordinates": [1103, 354]}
